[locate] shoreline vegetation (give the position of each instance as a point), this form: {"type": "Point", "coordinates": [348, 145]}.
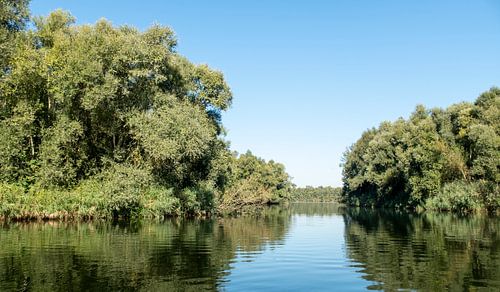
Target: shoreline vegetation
{"type": "Point", "coordinates": [319, 194]}
{"type": "Point", "coordinates": [100, 121]}
{"type": "Point", "coordinates": [437, 159]}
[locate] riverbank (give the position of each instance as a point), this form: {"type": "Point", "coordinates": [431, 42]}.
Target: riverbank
{"type": "Point", "coordinates": [127, 199]}
{"type": "Point", "coordinates": [101, 121]}
{"type": "Point", "coordinates": [439, 158]}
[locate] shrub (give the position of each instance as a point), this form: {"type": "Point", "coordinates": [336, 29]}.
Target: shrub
{"type": "Point", "coordinates": [456, 196]}
{"type": "Point", "coordinates": [10, 197]}
{"type": "Point", "coordinates": [491, 194]}
{"type": "Point", "coordinates": [159, 202]}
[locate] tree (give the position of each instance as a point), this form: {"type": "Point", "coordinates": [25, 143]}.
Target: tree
{"type": "Point", "coordinates": [13, 17]}
{"type": "Point", "coordinates": [89, 105]}
{"type": "Point", "coordinates": [411, 163]}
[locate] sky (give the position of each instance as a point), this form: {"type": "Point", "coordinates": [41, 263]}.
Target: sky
{"type": "Point", "coordinates": [308, 77]}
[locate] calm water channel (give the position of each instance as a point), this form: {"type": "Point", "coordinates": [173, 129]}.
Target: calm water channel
{"type": "Point", "coordinates": [304, 247]}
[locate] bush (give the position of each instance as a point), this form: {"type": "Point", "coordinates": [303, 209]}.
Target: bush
{"type": "Point", "coordinates": [491, 194]}
{"type": "Point", "coordinates": [197, 200]}
{"type": "Point", "coordinates": [10, 197]}
{"type": "Point", "coordinates": [456, 196]}
{"type": "Point", "coordinates": [159, 202]}
{"type": "Point", "coordinates": [118, 192]}
{"type": "Point", "coordinates": [242, 193]}
{"type": "Point", "coordinates": [126, 191]}
{"type": "Point", "coordinates": [36, 202]}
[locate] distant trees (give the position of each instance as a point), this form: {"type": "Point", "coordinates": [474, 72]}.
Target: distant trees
{"type": "Point", "coordinates": [447, 159]}
{"type": "Point", "coordinates": [316, 194]}
{"type": "Point", "coordinates": [81, 106]}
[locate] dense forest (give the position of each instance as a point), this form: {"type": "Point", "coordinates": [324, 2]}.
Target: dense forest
{"type": "Point", "coordinates": [439, 159]}
{"type": "Point", "coordinates": [105, 121]}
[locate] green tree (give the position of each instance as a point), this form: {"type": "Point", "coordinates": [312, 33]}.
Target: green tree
{"type": "Point", "coordinates": [89, 105]}
{"type": "Point", "coordinates": [14, 15]}
{"type": "Point", "coordinates": [418, 162]}
{"type": "Point", "coordinates": [253, 180]}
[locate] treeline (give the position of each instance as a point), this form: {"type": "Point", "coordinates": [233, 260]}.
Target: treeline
{"type": "Point", "coordinates": [316, 194]}
{"type": "Point", "coordinates": [105, 121]}
{"type": "Point", "coordinates": [442, 159]}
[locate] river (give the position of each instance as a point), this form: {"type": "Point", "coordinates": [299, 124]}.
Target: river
{"type": "Point", "coordinates": [300, 247]}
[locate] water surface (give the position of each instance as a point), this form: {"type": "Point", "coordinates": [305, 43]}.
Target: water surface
{"type": "Point", "coordinates": [302, 247]}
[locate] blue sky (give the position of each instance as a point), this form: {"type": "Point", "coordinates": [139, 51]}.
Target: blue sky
{"type": "Point", "coordinates": [309, 77]}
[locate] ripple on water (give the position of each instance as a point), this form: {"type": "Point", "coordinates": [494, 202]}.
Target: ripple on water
{"type": "Point", "coordinates": [309, 247]}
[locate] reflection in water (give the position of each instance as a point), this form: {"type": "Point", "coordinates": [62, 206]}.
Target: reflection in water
{"type": "Point", "coordinates": [297, 247]}
{"type": "Point", "coordinates": [315, 209]}
{"type": "Point", "coordinates": [430, 252]}
{"type": "Point", "coordinates": [172, 255]}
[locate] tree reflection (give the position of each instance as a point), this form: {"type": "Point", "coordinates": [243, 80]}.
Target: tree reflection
{"type": "Point", "coordinates": [431, 252]}
{"type": "Point", "coordinates": [172, 255]}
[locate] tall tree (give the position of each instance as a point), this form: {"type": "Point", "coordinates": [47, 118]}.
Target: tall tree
{"type": "Point", "coordinates": [412, 162]}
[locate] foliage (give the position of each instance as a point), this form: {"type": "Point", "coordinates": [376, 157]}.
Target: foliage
{"type": "Point", "coordinates": [119, 191]}
{"type": "Point", "coordinates": [456, 196]}
{"type": "Point", "coordinates": [13, 17]}
{"type": "Point", "coordinates": [439, 159]}
{"type": "Point", "coordinates": [316, 194]}
{"type": "Point", "coordinates": [252, 180]}
{"type": "Point", "coordinates": [114, 120]}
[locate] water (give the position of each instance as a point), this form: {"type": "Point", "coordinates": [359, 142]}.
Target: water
{"type": "Point", "coordinates": [304, 247]}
